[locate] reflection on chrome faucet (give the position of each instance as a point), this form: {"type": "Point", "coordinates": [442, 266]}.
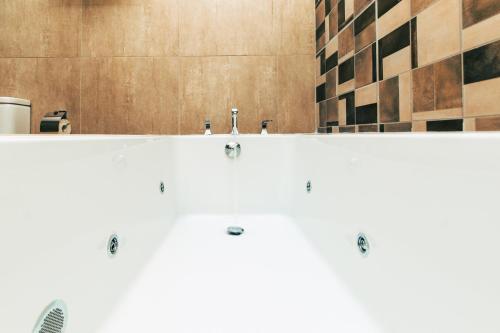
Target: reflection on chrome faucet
{"type": "Point", "coordinates": [234, 122]}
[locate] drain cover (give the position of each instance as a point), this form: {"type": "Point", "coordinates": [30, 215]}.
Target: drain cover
{"type": "Point", "coordinates": [53, 319]}
{"type": "Point", "coordinates": [235, 231]}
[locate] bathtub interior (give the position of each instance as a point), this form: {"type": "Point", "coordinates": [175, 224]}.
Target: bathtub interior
{"type": "Point", "coordinates": [426, 203]}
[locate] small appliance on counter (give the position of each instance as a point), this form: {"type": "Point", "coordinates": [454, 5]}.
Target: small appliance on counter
{"type": "Point", "coordinates": [56, 122]}
{"type": "Point", "coordinates": [15, 115]}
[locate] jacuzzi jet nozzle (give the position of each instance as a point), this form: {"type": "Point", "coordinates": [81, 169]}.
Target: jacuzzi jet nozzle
{"type": "Point", "coordinates": [235, 231]}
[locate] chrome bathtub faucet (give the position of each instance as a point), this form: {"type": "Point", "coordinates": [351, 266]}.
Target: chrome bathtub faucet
{"type": "Point", "coordinates": [234, 121]}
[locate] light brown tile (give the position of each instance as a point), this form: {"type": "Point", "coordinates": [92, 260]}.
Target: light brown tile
{"type": "Point", "coordinates": [40, 28]}
{"type": "Point", "coordinates": [130, 28]}
{"type": "Point", "coordinates": [117, 95]}
{"type": "Point", "coordinates": [419, 126]}
{"type": "Point", "coordinates": [205, 93]}
{"type": "Point", "coordinates": [18, 77]}
{"type": "Point", "coordinates": [482, 98]}
{"type": "Point", "coordinates": [166, 76]}
{"type": "Point", "coordinates": [254, 92]}
{"type": "Point", "coordinates": [296, 94]}
{"type": "Point", "coordinates": [487, 124]}
{"type": "Point", "coordinates": [438, 31]}
{"type": "Point", "coordinates": [333, 22]}
{"type": "Point", "coordinates": [394, 18]}
{"type": "Point", "coordinates": [245, 27]}
{"type": "Point", "coordinates": [198, 27]}
{"type": "Point", "coordinates": [58, 88]}
{"type": "Point", "coordinates": [365, 37]}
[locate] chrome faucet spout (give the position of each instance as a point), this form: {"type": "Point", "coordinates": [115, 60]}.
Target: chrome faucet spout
{"type": "Point", "coordinates": [234, 121]}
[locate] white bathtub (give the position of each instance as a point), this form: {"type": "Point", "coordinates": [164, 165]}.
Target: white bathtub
{"type": "Point", "coordinates": [428, 205]}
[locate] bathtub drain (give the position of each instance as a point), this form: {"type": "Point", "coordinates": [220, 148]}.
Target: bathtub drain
{"type": "Point", "coordinates": [235, 231]}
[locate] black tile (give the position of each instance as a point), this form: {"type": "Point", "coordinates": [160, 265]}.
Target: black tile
{"type": "Point", "coordinates": [414, 49]}
{"type": "Point", "coordinates": [322, 60]}
{"type": "Point", "coordinates": [350, 108]}
{"type": "Point", "coordinates": [322, 130]}
{"type": "Point", "coordinates": [374, 62]}
{"type": "Point", "coordinates": [346, 70]}
{"type": "Point", "coordinates": [332, 61]}
{"type": "Point", "coordinates": [328, 7]}
{"type": "Point", "coordinates": [393, 42]}
{"type": "Point", "coordinates": [385, 5]}
{"type": "Point", "coordinates": [366, 114]}
{"type": "Point", "coordinates": [320, 31]}
{"type": "Point", "coordinates": [365, 19]}
{"type": "Point", "coordinates": [329, 130]}
{"type": "Point", "coordinates": [445, 125]}
{"type": "Point", "coordinates": [482, 63]}
{"type": "Point", "coordinates": [321, 93]}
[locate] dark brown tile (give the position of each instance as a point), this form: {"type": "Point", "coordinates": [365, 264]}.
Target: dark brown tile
{"type": "Point", "coordinates": [365, 66]}
{"type": "Point", "coordinates": [359, 5]}
{"type": "Point", "coordinates": [396, 127]}
{"type": "Point", "coordinates": [332, 118]}
{"type": "Point", "coordinates": [333, 24]}
{"type": "Point", "coordinates": [331, 83]}
{"type": "Point", "coordinates": [423, 89]}
{"type": "Point", "coordinates": [389, 100]}
{"type": "Point", "coordinates": [346, 41]}
{"type": "Point", "coordinates": [347, 129]}
{"type": "Point", "coordinates": [448, 80]}
{"type": "Point", "coordinates": [368, 128]}
{"type": "Point", "coordinates": [475, 11]}
{"type": "Point", "coordinates": [322, 114]}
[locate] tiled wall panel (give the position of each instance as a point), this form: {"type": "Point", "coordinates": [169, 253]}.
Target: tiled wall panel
{"type": "Point", "coordinates": [419, 65]}
{"type": "Point", "coordinates": [164, 66]}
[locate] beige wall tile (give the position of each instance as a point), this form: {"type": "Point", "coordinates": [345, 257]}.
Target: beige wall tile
{"type": "Point", "coordinates": [366, 95]}
{"type": "Point", "coordinates": [130, 28]}
{"type": "Point", "coordinates": [405, 97]}
{"type": "Point", "coordinates": [49, 83]}
{"type": "Point", "coordinates": [166, 76]}
{"type": "Point", "coordinates": [254, 92]}
{"type": "Point", "coordinates": [205, 93]}
{"type": "Point", "coordinates": [295, 26]}
{"type": "Point", "coordinates": [40, 28]}
{"type": "Point", "coordinates": [482, 98]}
{"type": "Point", "coordinates": [117, 96]}
{"type": "Point", "coordinates": [439, 114]}
{"type": "Point", "coordinates": [198, 27]}
{"type": "Point", "coordinates": [296, 94]}
{"type": "Point", "coordinates": [397, 62]}
{"type": "Point", "coordinates": [438, 31]}
{"type": "Point", "coordinates": [245, 27]}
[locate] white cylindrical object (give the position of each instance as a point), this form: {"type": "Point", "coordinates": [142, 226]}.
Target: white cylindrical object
{"type": "Point", "coordinates": [15, 116]}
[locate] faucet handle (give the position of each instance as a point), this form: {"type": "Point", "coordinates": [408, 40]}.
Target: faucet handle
{"type": "Point", "coordinates": [234, 111]}
{"type": "Point", "coordinates": [208, 126]}
{"type": "Point", "coordinates": [264, 124]}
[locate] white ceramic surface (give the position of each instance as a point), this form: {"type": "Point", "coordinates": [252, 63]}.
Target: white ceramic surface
{"type": "Point", "coordinates": [427, 203]}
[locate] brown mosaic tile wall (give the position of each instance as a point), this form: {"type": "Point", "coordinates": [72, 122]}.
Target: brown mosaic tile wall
{"type": "Point", "coordinates": [162, 67]}
{"type": "Point", "coordinates": [407, 65]}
